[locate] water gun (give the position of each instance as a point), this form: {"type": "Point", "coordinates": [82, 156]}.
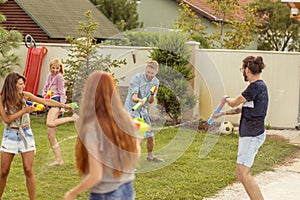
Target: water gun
{"type": "Point", "coordinates": [48, 95]}
{"type": "Point", "coordinates": [74, 105]}
{"type": "Point", "coordinates": [218, 109]}
{"type": "Point", "coordinates": [136, 106]}
{"type": "Point", "coordinates": [141, 126]}
{"type": "Point", "coordinates": [38, 106]}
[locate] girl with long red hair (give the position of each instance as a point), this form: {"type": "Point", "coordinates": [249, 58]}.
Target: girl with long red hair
{"type": "Point", "coordinates": [107, 149]}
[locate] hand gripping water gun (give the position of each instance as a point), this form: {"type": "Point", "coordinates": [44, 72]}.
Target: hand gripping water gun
{"type": "Point", "coordinates": [136, 106]}
{"type": "Point", "coordinates": [38, 106]}
{"type": "Point", "coordinates": [141, 126]}
{"type": "Point", "coordinates": [218, 109]}
{"type": "Point", "coordinates": [48, 95]}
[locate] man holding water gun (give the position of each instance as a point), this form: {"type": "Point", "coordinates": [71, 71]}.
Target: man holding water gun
{"type": "Point", "coordinates": [141, 85]}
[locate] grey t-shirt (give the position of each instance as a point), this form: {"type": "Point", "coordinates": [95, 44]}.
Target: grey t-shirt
{"type": "Point", "coordinates": [140, 85]}
{"type": "Point", "coordinates": [94, 145]}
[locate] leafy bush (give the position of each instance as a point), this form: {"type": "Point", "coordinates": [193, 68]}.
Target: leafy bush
{"type": "Point", "coordinates": [175, 74]}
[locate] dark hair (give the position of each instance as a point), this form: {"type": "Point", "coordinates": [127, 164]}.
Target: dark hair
{"type": "Point", "coordinates": [11, 99]}
{"type": "Point", "coordinates": [254, 64]}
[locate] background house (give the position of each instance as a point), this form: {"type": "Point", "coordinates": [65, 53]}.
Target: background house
{"type": "Point", "coordinates": [158, 13]}
{"type": "Point", "coordinates": [53, 20]}
{"type": "Point", "coordinates": [163, 13]}
{"type": "Point", "coordinates": [295, 8]}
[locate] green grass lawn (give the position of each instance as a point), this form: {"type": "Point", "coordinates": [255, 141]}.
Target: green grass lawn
{"type": "Point", "coordinates": [184, 175]}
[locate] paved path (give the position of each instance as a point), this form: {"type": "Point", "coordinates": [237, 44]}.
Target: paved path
{"type": "Point", "coordinates": [281, 184]}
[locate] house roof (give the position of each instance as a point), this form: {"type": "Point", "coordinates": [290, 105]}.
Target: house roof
{"type": "Point", "coordinates": [59, 18]}
{"type": "Point", "coordinates": [206, 10]}
{"type": "Point", "coordinates": [294, 4]}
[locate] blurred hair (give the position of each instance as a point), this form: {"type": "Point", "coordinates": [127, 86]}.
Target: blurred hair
{"type": "Point", "coordinates": [255, 64]}
{"type": "Point", "coordinates": [101, 103]}
{"type": "Point", "coordinates": [11, 99]}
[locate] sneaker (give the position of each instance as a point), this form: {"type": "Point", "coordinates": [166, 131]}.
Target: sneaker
{"type": "Point", "coordinates": [155, 159]}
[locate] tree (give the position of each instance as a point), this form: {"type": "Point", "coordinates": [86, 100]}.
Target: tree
{"type": "Point", "coordinates": [279, 32]}
{"type": "Point", "coordinates": [174, 74]}
{"type": "Point", "coordinates": [188, 22]}
{"type": "Point", "coordinates": [9, 39]}
{"type": "Point", "coordinates": [84, 59]}
{"type": "Point", "coordinates": [122, 13]}
{"type": "Point", "coordinates": [233, 33]}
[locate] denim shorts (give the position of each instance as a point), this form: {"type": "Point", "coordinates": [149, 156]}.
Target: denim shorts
{"type": "Point", "coordinates": [12, 141]}
{"type": "Point", "coordinates": [55, 98]}
{"type": "Point", "coordinates": [124, 192]}
{"type": "Point", "coordinates": [248, 148]}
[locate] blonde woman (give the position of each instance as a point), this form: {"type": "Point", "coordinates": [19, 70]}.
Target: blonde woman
{"type": "Point", "coordinates": [55, 83]}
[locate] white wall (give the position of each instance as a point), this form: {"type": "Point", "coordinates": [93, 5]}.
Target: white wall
{"type": "Point", "coordinates": [217, 73]}
{"type": "Point", "coordinates": [281, 76]}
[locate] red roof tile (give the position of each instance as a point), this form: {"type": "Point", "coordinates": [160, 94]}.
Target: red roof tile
{"type": "Point", "coordinates": [206, 10]}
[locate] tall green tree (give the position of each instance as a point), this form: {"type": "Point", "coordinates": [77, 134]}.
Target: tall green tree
{"type": "Point", "coordinates": [9, 39]}
{"type": "Point", "coordinates": [279, 32]}
{"type": "Point", "coordinates": [83, 58]}
{"type": "Point", "coordinates": [188, 22]}
{"type": "Point", "coordinates": [232, 33]}
{"type": "Point", "coordinates": [123, 13]}
{"type": "Point", "coordinates": [175, 73]}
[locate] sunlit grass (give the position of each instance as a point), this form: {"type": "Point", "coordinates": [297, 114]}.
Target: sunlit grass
{"type": "Point", "coordinates": [184, 175]}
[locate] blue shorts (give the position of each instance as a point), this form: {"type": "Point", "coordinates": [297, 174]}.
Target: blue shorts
{"type": "Point", "coordinates": [124, 192]}
{"type": "Point", "coordinates": [248, 148]}
{"type": "Point", "coordinates": [55, 98]}
{"type": "Point", "coordinates": [12, 141]}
